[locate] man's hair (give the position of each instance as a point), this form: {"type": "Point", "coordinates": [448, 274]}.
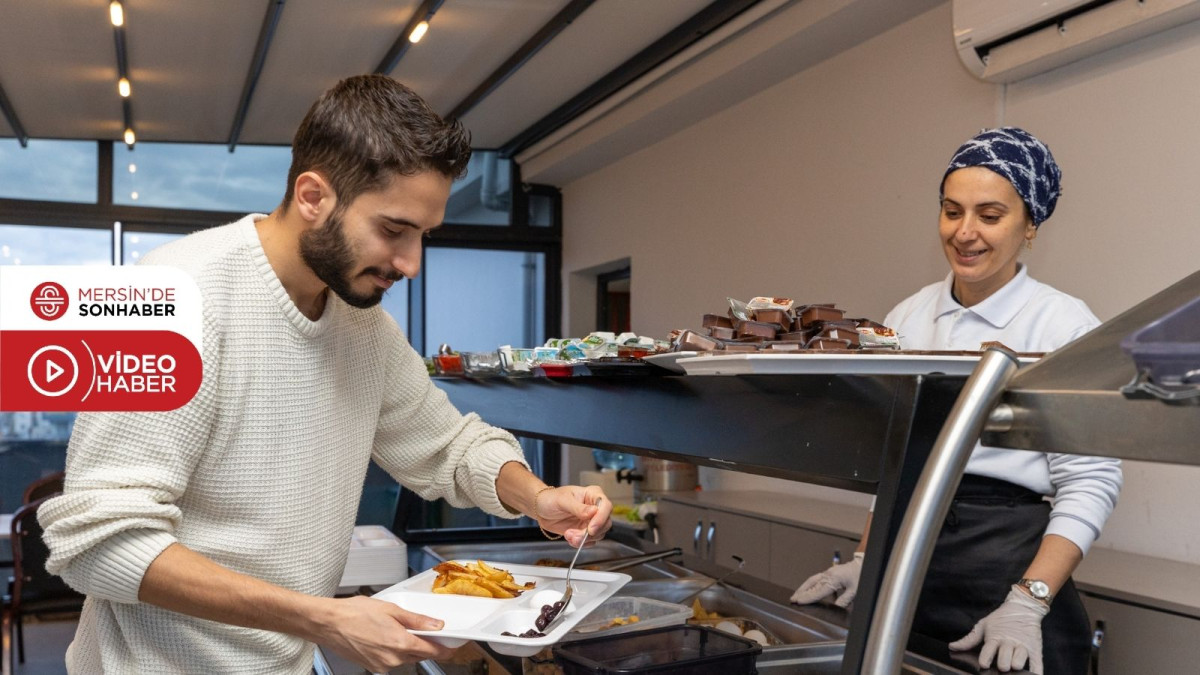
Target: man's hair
{"type": "Point", "coordinates": [367, 128]}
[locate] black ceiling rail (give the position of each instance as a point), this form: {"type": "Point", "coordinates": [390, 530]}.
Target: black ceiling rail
{"type": "Point", "coordinates": [682, 36]}
{"type": "Point", "coordinates": [532, 46]}
{"type": "Point", "coordinates": [10, 114]}
{"type": "Point", "coordinates": [265, 34]}
{"type": "Point", "coordinates": [424, 13]}
{"type": "Point", "coordinates": [123, 74]}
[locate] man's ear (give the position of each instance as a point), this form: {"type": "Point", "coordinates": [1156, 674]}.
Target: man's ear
{"type": "Point", "coordinates": [313, 197]}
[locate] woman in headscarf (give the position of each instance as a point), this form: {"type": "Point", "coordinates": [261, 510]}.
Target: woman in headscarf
{"type": "Point", "coordinates": [1000, 575]}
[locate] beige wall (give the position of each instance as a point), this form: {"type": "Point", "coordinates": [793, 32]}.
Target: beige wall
{"type": "Point", "coordinates": [823, 188]}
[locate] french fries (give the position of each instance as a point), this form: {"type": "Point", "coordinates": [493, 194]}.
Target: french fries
{"type": "Point", "coordinates": [478, 579]}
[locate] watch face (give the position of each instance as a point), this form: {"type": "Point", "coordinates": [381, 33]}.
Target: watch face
{"type": "Point", "coordinates": [1039, 589]}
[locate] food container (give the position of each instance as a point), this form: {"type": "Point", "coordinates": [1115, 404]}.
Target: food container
{"type": "Point", "coordinates": [448, 364]}
{"type": "Point", "coordinates": [810, 313]}
{"type": "Point", "coordinates": [1168, 349]}
{"type": "Point", "coordinates": [481, 364]}
{"type": "Point", "coordinates": [516, 362]}
{"type": "Point", "coordinates": [605, 620]}
{"type": "Point", "coordinates": [664, 475]}
{"type": "Point", "coordinates": [673, 650]}
{"type": "Point", "coordinates": [743, 625]}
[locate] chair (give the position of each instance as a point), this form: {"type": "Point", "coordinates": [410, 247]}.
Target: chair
{"type": "Point", "coordinates": [31, 589]}
{"type": "Point", "coordinates": [43, 487]}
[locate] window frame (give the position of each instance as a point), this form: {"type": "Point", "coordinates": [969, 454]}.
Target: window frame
{"type": "Point", "coordinates": [518, 235]}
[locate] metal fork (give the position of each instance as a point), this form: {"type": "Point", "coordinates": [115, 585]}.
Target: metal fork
{"type": "Point", "coordinates": [566, 598]}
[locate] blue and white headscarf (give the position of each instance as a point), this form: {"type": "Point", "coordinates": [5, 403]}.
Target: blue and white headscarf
{"type": "Point", "coordinates": [1024, 160]}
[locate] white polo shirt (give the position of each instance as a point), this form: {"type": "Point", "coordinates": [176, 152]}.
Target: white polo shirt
{"type": "Point", "coordinates": [1026, 316]}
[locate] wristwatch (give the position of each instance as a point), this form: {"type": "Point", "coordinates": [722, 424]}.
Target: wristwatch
{"type": "Point", "coordinates": [1038, 589]}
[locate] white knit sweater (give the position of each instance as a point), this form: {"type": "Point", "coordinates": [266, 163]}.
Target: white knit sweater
{"type": "Point", "coordinates": [261, 472]}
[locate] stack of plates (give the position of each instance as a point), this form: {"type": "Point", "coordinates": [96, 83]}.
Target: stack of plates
{"type": "Point", "coordinates": [377, 558]}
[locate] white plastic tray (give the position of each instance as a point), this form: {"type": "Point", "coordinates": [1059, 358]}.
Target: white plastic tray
{"type": "Point", "coordinates": [484, 619]}
{"type": "Point", "coordinates": [817, 363]}
{"type": "Point", "coordinates": [669, 360]}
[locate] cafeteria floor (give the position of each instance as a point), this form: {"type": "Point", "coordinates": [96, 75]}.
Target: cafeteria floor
{"type": "Point", "coordinates": [46, 643]}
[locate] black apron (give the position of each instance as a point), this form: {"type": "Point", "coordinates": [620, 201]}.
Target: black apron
{"type": "Point", "coordinates": [991, 534]}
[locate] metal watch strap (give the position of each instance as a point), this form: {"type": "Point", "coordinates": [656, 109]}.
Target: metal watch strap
{"type": "Point", "coordinates": [1028, 584]}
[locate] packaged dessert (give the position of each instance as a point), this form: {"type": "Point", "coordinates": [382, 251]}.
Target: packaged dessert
{"type": "Point", "coordinates": [873, 335]}
{"type": "Point", "coordinates": [690, 341]}
{"type": "Point", "coordinates": [800, 336]}
{"type": "Point", "coordinates": [756, 329]}
{"type": "Point", "coordinates": [779, 317]}
{"type": "Point", "coordinates": [812, 313]}
{"type": "Point", "coordinates": [739, 311]}
{"type": "Point", "coordinates": [783, 346]}
{"type": "Point", "coordinates": [770, 303]}
{"type": "Point", "coordinates": [823, 343]}
{"type": "Point", "coordinates": [716, 321]}
{"type": "Point", "coordinates": [721, 332]}
{"type": "Point", "coordinates": [741, 347]}
{"type": "Point", "coordinates": [840, 333]}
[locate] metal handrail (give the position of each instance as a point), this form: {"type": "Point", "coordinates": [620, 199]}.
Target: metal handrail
{"type": "Point", "coordinates": [906, 567]}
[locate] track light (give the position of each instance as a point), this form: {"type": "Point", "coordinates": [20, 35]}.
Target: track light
{"type": "Point", "coordinates": [418, 32]}
{"type": "Point", "coordinates": [123, 87]}
{"type": "Point", "coordinates": [116, 13]}
{"type": "Point", "coordinates": [130, 139]}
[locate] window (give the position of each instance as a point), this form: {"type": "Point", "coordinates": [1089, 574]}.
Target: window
{"type": "Point", "coordinates": [34, 444]}
{"type": "Point", "coordinates": [134, 245]}
{"type": "Point", "coordinates": [487, 281]}
{"type": "Point", "coordinates": [395, 302]}
{"type": "Point", "coordinates": [58, 171]}
{"type": "Point", "coordinates": [484, 195]}
{"type": "Point", "coordinates": [205, 177]}
{"type": "Point", "coordinates": [39, 245]}
{"type": "Point", "coordinates": [478, 300]}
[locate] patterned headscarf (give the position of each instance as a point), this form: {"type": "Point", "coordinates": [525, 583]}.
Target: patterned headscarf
{"type": "Point", "coordinates": [1024, 160]}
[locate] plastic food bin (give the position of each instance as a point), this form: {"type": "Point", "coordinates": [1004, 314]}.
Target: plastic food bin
{"type": "Point", "coordinates": [650, 614]}
{"type": "Point", "coordinates": [1169, 347]}
{"type": "Point", "coordinates": [673, 650]}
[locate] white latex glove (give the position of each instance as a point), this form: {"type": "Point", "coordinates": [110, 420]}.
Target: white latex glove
{"type": "Point", "coordinates": [841, 579]}
{"type": "Point", "coordinates": [1012, 633]}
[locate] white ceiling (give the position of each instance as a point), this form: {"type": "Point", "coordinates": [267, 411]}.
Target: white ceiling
{"type": "Point", "coordinates": [189, 59]}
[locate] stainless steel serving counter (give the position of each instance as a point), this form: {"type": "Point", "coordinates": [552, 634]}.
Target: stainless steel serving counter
{"type": "Point", "coordinates": [859, 432]}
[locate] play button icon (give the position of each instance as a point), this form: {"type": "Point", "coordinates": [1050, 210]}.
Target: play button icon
{"type": "Point", "coordinates": [56, 363]}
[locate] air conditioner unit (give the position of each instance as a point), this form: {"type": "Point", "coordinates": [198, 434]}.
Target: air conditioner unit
{"type": "Point", "coordinates": [1009, 40]}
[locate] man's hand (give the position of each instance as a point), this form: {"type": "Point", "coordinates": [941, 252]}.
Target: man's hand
{"type": "Point", "coordinates": [1012, 633]}
{"type": "Point", "coordinates": [842, 579]}
{"type": "Point", "coordinates": [567, 510]}
{"type": "Point", "coordinates": [374, 634]}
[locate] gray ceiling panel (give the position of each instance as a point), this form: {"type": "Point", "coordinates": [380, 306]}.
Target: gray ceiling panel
{"type": "Point", "coordinates": [187, 62]}
{"type": "Point", "coordinates": [317, 43]}
{"type": "Point", "coordinates": [59, 68]}
{"type": "Point", "coordinates": [467, 41]}
{"type": "Point", "coordinates": [602, 38]}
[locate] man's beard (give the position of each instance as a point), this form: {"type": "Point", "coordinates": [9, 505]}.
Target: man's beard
{"type": "Point", "coordinates": [327, 253]}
